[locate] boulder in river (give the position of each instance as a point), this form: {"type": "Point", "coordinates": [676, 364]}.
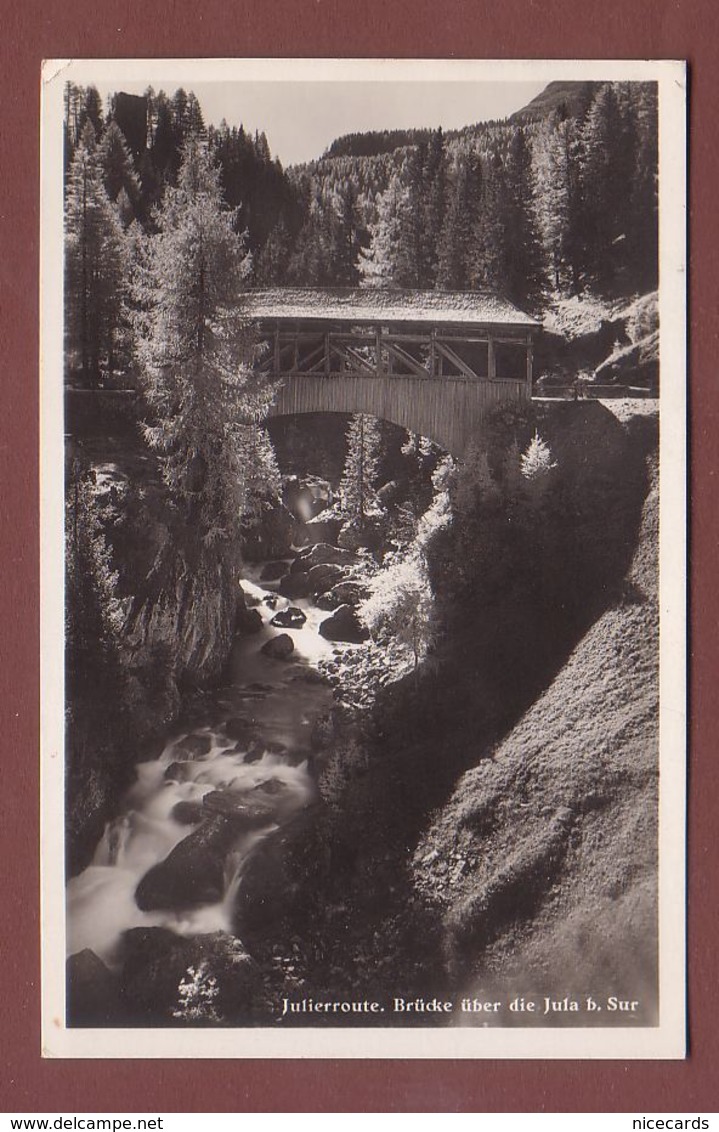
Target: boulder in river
{"type": "Point", "coordinates": [92, 991]}
{"type": "Point", "coordinates": [348, 593]}
{"type": "Point", "coordinates": [344, 625]}
{"type": "Point", "coordinates": [194, 746]}
{"type": "Point", "coordinates": [248, 622]}
{"type": "Point", "coordinates": [279, 648]}
{"type": "Point", "coordinates": [241, 728]}
{"type": "Point", "coordinates": [249, 600]}
{"type": "Point", "coordinates": [290, 618]}
{"type": "Point", "coordinates": [244, 809]}
{"type": "Point", "coordinates": [179, 771]}
{"type": "Point", "coordinates": [324, 576]}
{"type": "Point", "coordinates": [327, 601]}
{"type": "Point", "coordinates": [189, 813]}
{"type": "Point", "coordinates": [295, 585]}
{"type": "Point", "coordinates": [323, 554]}
{"type": "Point", "coordinates": [194, 871]}
{"type": "Point", "coordinates": [275, 883]}
{"type": "Point", "coordinates": [324, 528]}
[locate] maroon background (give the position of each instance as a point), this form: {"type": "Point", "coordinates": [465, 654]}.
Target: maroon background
{"type": "Point", "coordinates": [322, 28]}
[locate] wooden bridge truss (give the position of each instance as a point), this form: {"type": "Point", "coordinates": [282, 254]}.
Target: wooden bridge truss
{"type": "Point", "coordinates": [433, 362]}
{"type": "Point", "coordinates": [383, 351]}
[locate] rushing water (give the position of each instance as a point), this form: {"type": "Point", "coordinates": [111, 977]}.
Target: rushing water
{"type": "Point", "coordinates": [280, 705]}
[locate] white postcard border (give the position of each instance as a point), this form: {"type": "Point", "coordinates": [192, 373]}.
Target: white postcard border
{"type": "Point", "coordinates": [667, 1040]}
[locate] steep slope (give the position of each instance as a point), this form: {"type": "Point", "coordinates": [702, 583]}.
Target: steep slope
{"type": "Point", "coordinates": [543, 863]}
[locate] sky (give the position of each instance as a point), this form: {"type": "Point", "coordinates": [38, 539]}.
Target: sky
{"type": "Point", "coordinates": [301, 119]}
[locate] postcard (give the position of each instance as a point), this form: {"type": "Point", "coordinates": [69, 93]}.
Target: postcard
{"type": "Point", "coordinates": [363, 525]}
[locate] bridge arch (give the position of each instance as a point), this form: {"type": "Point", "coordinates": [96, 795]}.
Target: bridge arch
{"type": "Point", "coordinates": [434, 362]}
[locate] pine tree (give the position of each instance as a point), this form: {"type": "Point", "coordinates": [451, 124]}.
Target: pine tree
{"type": "Point", "coordinates": [557, 157]}
{"type": "Point", "coordinates": [95, 263]}
{"type": "Point", "coordinates": [346, 237]}
{"type": "Point", "coordinates": [409, 257]}
{"type": "Point", "coordinates": [361, 467]}
{"type": "Point", "coordinates": [432, 209]}
{"type": "Point", "coordinates": [455, 268]}
{"type": "Point", "coordinates": [487, 245]}
{"type": "Point", "coordinates": [523, 277]}
{"type": "Point", "coordinates": [607, 170]}
{"type": "Point", "coordinates": [273, 260]}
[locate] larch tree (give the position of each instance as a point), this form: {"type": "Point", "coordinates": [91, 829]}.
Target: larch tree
{"type": "Point", "coordinates": [95, 264]}
{"type": "Point", "coordinates": [196, 354]}
{"type": "Point", "coordinates": [196, 358]}
{"type": "Point", "coordinates": [378, 262]}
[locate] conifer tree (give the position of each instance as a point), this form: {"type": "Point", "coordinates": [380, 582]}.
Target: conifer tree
{"type": "Point", "coordinates": [557, 160]}
{"type": "Point", "coordinates": [95, 263]}
{"type": "Point", "coordinates": [346, 237]}
{"type": "Point", "coordinates": [433, 209]}
{"type": "Point", "coordinates": [523, 277]}
{"type": "Point", "coordinates": [455, 264]}
{"type": "Point", "coordinates": [118, 166]}
{"type": "Point", "coordinates": [273, 260]}
{"type": "Point", "coordinates": [378, 263]}
{"type": "Point", "coordinates": [606, 184]}
{"type": "Point", "coordinates": [196, 360]}
{"type": "Point", "coordinates": [408, 262]}
{"type": "Point", "coordinates": [487, 260]}
{"type": "Point", "coordinates": [195, 355]}
{"type": "Point", "coordinates": [361, 467]}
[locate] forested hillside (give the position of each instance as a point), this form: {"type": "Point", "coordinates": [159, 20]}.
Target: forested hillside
{"type": "Point", "coordinates": [557, 202]}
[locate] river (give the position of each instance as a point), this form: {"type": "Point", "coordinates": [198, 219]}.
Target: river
{"type": "Point", "coordinates": [278, 701]}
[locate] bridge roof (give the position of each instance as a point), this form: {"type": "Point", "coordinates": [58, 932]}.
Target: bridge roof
{"type": "Point", "coordinates": [347, 304]}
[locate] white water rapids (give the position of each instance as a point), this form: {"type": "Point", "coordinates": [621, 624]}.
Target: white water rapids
{"type": "Point", "coordinates": [280, 705]}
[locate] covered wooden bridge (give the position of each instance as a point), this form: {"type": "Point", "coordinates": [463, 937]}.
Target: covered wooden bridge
{"type": "Point", "coordinates": [434, 362]}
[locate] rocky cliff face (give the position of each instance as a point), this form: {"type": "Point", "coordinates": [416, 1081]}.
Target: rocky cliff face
{"type": "Point", "coordinates": [179, 602]}
{"type": "Point", "coordinates": [542, 864]}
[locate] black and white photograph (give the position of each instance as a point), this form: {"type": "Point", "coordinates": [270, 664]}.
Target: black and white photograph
{"type": "Point", "coordinates": [363, 690]}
